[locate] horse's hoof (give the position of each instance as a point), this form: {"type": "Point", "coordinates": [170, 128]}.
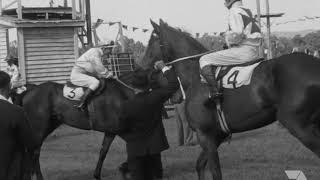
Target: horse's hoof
{"type": "Point", "coordinates": [96, 177]}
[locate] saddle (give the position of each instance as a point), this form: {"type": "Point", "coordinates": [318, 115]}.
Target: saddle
{"type": "Point", "coordinates": [75, 93]}
{"type": "Point", "coordinates": [235, 76]}
{"type": "Point", "coordinates": [232, 77]}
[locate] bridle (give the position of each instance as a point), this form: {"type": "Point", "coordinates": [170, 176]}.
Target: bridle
{"type": "Point", "coordinates": [164, 44]}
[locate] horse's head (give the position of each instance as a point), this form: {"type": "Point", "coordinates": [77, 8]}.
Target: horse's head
{"type": "Point", "coordinates": [153, 52]}
{"type": "Point", "coordinates": [175, 43]}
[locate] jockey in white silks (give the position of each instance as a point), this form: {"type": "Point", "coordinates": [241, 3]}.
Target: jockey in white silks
{"type": "Point", "coordinates": [243, 39]}
{"type": "Point", "coordinates": [88, 69]}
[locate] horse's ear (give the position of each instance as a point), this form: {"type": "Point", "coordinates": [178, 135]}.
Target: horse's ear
{"type": "Point", "coordinates": [156, 27]}
{"type": "Point", "coordinates": [162, 22]}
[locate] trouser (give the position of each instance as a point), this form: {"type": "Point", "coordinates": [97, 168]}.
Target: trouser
{"type": "Point", "coordinates": [148, 167]}
{"type": "Point", "coordinates": [185, 134]}
{"type": "Point", "coordinates": [79, 78]}
{"type": "Point", "coordinates": [233, 56]}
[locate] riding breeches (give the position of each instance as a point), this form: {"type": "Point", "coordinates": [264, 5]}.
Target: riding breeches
{"type": "Point", "coordinates": [233, 56]}
{"type": "Point", "coordinates": [80, 78]}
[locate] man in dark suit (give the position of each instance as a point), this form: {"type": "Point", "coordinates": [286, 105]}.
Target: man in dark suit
{"type": "Point", "coordinates": [146, 138]}
{"type": "Point", "coordinates": [16, 136]}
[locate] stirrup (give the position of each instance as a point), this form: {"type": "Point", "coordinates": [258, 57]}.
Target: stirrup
{"type": "Point", "coordinates": [81, 106]}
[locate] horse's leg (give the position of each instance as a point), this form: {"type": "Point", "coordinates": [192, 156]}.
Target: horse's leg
{"type": "Point", "coordinates": [210, 139]}
{"type": "Point", "coordinates": [304, 127]}
{"type": "Point", "coordinates": [107, 140]}
{"type": "Point", "coordinates": [203, 158]}
{"type": "Point", "coordinates": [201, 165]}
{"type": "Point", "coordinates": [36, 171]}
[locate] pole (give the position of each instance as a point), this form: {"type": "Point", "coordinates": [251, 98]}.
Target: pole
{"type": "Point", "coordinates": [123, 48]}
{"type": "Point", "coordinates": [0, 7]}
{"type": "Point", "coordinates": [65, 3]}
{"type": "Point", "coordinates": [82, 9]}
{"type": "Point", "coordinates": [88, 19]}
{"type": "Point", "coordinates": [19, 10]}
{"type": "Point", "coordinates": [74, 11]}
{"type": "Point", "coordinates": [259, 24]}
{"type": "Point", "coordinates": [268, 30]}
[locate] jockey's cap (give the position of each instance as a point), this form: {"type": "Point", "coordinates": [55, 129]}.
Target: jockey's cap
{"type": "Point", "coordinates": [228, 3]}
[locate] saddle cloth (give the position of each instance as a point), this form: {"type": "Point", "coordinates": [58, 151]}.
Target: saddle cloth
{"type": "Point", "coordinates": [237, 76]}
{"type": "Point", "coordinates": [72, 92]}
{"type": "Point", "coordinates": [234, 77]}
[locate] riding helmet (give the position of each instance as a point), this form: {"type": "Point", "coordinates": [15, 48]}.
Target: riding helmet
{"type": "Point", "coordinates": [228, 3]}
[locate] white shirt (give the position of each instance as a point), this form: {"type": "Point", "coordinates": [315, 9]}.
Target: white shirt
{"type": "Point", "coordinates": [242, 23]}
{"type": "Point", "coordinates": [91, 62]}
{"type": "Point", "coordinates": [13, 73]}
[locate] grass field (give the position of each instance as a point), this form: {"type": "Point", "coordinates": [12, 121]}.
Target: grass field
{"type": "Point", "coordinates": [262, 154]}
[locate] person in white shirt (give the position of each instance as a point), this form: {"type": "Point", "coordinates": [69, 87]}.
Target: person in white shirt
{"type": "Point", "coordinates": [12, 69]}
{"type": "Point", "coordinates": [316, 54]}
{"type": "Point", "coordinates": [243, 38]}
{"type": "Point", "coordinates": [88, 69]}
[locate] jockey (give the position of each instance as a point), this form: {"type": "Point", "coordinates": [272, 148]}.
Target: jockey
{"type": "Point", "coordinates": [88, 69]}
{"type": "Point", "coordinates": [243, 39]}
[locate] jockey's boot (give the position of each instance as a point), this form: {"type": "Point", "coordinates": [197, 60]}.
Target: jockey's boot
{"type": "Point", "coordinates": [85, 98]}
{"type": "Point", "coordinates": [208, 72]}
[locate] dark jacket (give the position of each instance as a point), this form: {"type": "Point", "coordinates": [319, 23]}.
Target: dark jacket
{"type": "Point", "coordinates": [143, 113]}
{"type": "Point", "coordinates": [15, 136]}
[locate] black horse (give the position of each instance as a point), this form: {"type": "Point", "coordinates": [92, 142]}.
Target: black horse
{"type": "Point", "coordinates": [47, 109]}
{"type": "Point", "coordinates": [286, 89]}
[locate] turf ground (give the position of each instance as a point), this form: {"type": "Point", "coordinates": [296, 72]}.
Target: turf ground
{"type": "Point", "coordinates": [262, 154]}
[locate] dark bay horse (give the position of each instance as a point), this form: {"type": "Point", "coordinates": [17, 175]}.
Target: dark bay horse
{"type": "Point", "coordinates": [47, 109]}
{"type": "Point", "coordinates": [286, 89]}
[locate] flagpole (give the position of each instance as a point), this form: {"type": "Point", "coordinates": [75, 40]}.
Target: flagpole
{"type": "Point", "coordinates": [268, 30]}
{"type": "Point", "coordinates": [259, 23]}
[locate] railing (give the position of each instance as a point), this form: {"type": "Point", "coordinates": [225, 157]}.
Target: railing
{"type": "Point", "coordinates": [119, 63]}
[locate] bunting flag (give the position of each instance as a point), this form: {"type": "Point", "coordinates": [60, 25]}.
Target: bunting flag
{"type": "Point", "coordinates": [305, 18]}
{"type": "Point", "coordinates": [145, 30]}
{"type": "Point", "coordinates": [125, 27]}
{"type": "Point", "coordinates": [134, 28]}
{"type": "Point", "coordinates": [112, 23]}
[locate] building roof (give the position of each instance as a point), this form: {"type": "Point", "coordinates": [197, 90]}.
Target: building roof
{"type": "Point", "coordinates": [37, 3]}
{"type": "Point", "coordinates": [12, 22]}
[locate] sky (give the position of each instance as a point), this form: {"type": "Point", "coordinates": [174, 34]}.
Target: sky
{"type": "Point", "coordinates": [198, 16]}
{"type": "Point", "coordinates": [194, 16]}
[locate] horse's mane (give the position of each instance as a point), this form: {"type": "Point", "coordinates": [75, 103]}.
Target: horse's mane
{"type": "Point", "coordinates": [189, 37]}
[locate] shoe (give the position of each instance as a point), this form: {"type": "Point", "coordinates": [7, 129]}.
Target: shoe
{"type": "Point", "coordinates": [84, 99]}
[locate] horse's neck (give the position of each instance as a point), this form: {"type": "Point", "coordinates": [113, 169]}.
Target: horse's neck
{"type": "Point", "coordinates": [188, 72]}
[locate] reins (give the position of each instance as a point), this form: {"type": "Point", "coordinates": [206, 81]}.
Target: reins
{"type": "Point", "coordinates": [189, 57]}
{"type": "Point", "coordinates": [125, 85]}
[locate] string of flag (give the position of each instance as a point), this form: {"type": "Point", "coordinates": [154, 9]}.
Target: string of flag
{"type": "Point", "coordinates": [144, 30]}
{"type": "Point", "coordinates": [127, 27]}
{"type": "Point", "coordinates": [305, 18]}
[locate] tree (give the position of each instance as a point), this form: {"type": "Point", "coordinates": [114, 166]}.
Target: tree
{"type": "Point", "coordinates": [212, 42]}
{"type": "Point", "coordinates": [312, 41]}
{"type": "Point", "coordinates": [131, 46]}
